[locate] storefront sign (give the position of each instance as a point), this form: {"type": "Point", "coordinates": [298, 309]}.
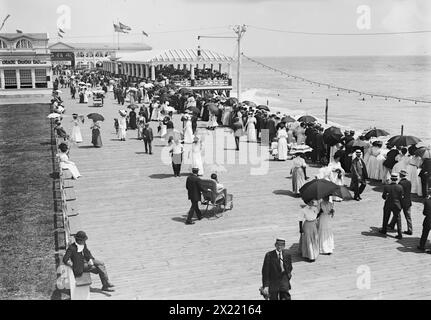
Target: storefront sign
{"type": "Point", "coordinates": [8, 62]}
{"type": "Point", "coordinates": [63, 56]}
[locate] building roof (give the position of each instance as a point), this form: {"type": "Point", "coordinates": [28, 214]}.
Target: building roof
{"type": "Point", "coordinates": [100, 46]}
{"type": "Point", "coordinates": [168, 56]}
{"type": "Point", "coordinates": [32, 36]}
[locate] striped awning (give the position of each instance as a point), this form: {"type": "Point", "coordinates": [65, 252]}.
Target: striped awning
{"type": "Point", "coordinates": [171, 56]}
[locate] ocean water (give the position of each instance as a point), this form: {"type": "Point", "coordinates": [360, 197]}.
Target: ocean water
{"type": "Point", "coordinates": [401, 76]}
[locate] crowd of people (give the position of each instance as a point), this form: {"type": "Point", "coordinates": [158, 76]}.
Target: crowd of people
{"type": "Point", "coordinates": [305, 142]}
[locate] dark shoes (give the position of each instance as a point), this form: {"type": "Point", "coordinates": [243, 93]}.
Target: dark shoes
{"type": "Point", "coordinates": [200, 218]}
{"type": "Point", "coordinates": [421, 248]}
{"type": "Point", "coordinates": [190, 222]}
{"type": "Point", "coordinates": [382, 232]}
{"type": "Point", "coordinates": [399, 236]}
{"type": "Point", "coordinates": [357, 198]}
{"type": "Point", "coordinates": [408, 233]}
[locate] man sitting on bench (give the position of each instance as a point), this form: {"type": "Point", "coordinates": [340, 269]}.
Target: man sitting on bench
{"type": "Point", "coordinates": [221, 190]}
{"type": "Point", "coordinates": [80, 259]}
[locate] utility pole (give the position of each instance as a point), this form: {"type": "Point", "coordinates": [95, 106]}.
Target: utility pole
{"type": "Point", "coordinates": [239, 30]}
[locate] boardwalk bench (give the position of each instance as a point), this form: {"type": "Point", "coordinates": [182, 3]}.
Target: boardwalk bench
{"type": "Point", "coordinates": [79, 286]}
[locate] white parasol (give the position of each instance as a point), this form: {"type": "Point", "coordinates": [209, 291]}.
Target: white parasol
{"type": "Point", "coordinates": [54, 115]}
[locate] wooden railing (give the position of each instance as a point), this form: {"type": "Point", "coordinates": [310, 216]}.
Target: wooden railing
{"type": "Point", "coordinates": [202, 83]}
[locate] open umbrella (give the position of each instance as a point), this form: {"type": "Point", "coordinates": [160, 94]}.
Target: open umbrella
{"type": "Point", "coordinates": [423, 152]}
{"type": "Point", "coordinates": [194, 110]}
{"type": "Point", "coordinates": [317, 189]}
{"type": "Point", "coordinates": [376, 133]}
{"type": "Point", "coordinates": [132, 106]}
{"type": "Point", "coordinates": [54, 115]}
{"type": "Point", "coordinates": [250, 103]}
{"type": "Point", "coordinates": [95, 117]}
{"type": "Point", "coordinates": [213, 108]}
{"type": "Point", "coordinates": [402, 141]}
{"type": "Point", "coordinates": [287, 119]}
{"type": "Point", "coordinates": [343, 193]}
{"type": "Point", "coordinates": [262, 107]}
{"type": "Point", "coordinates": [307, 119]}
{"type": "Point", "coordinates": [231, 101]}
{"type": "Point", "coordinates": [332, 135]}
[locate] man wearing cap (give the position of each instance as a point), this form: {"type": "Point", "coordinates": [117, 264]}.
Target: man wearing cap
{"type": "Point", "coordinates": [80, 259]}
{"type": "Point", "coordinates": [393, 194]}
{"type": "Point", "coordinates": [359, 175]}
{"type": "Point", "coordinates": [194, 192]}
{"type": "Point", "coordinates": [427, 221]}
{"type": "Point", "coordinates": [276, 272]}
{"type": "Point", "coordinates": [406, 203]}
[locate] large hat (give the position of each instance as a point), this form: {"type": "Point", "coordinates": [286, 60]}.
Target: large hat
{"type": "Point", "coordinates": [403, 173]}
{"type": "Point", "coordinates": [281, 240]}
{"type": "Point", "coordinates": [81, 235]}
{"type": "Point", "coordinates": [122, 112]}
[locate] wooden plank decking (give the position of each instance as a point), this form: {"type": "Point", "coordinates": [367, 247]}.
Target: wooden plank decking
{"type": "Point", "coordinates": [133, 211]}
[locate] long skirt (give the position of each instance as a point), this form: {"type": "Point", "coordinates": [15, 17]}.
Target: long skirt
{"type": "Point", "coordinates": [282, 149]}
{"type": "Point", "coordinates": [75, 135]}
{"type": "Point", "coordinates": [251, 133]}
{"type": "Point", "coordinates": [188, 134]}
{"type": "Point", "coordinates": [413, 176]}
{"type": "Point", "coordinates": [309, 241]}
{"type": "Point", "coordinates": [326, 236]}
{"type": "Point", "coordinates": [298, 179]}
{"type": "Point", "coordinates": [122, 133]}
{"type": "Point", "coordinates": [96, 139]}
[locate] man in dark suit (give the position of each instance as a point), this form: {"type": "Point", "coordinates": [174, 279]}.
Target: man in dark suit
{"type": "Point", "coordinates": [427, 222]}
{"type": "Point", "coordinates": [359, 175]}
{"type": "Point", "coordinates": [406, 203]}
{"type": "Point", "coordinates": [348, 141]}
{"type": "Point", "coordinates": [270, 125]}
{"type": "Point", "coordinates": [80, 259]}
{"type": "Point", "coordinates": [393, 194]}
{"type": "Point", "coordinates": [147, 136]}
{"type": "Point", "coordinates": [194, 123]}
{"type": "Point", "coordinates": [319, 147]}
{"type": "Point", "coordinates": [194, 193]}
{"type": "Point", "coordinates": [425, 175]}
{"type": "Point", "coordinates": [276, 272]}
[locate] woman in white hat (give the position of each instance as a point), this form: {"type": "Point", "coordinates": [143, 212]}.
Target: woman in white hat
{"type": "Point", "coordinates": [298, 172]}
{"type": "Point", "coordinates": [196, 156]}
{"type": "Point", "coordinates": [188, 131]}
{"type": "Point", "coordinates": [309, 241]}
{"type": "Point", "coordinates": [251, 128]}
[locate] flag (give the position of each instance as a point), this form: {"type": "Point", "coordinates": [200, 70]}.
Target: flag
{"type": "Point", "coordinates": [124, 27]}
{"type": "Point", "coordinates": [59, 34]}
{"type": "Point", "coordinates": [18, 31]}
{"type": "Point", "coordinates": [61, 30]}
{"type": "Point", "coordinates": [118, 29]}
{"type": "Point", "coordinates": [144, 33]}
{"type": "Point", "coordinates": [4, 21]}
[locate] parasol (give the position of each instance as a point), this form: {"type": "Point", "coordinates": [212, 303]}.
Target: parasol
{"type": "Point", "coordinates": [95, 117]}
{"type": "Point", "coordinates": [148, 85]}
{"type": "Point", "coordinates": [250, 103]}
{"type": "Point", "coordinates": [317, 189]}
{"type": "Point", "coordinates": [132, 106]}
{"type": "Point", "coordinates": [54, 115]}
{"type": "Point", "coordinates": [332, 135]}
{"type": "Point", "coordinates": [307, 119]}
{"type": "Point", "coordinates": [287, 119]}
{"type": "Point", "coordinates": [402, 141]}
{"type": "Point", "coordinates": [376, 133]}
{"type": "Point", "coordinates": [423, 152]}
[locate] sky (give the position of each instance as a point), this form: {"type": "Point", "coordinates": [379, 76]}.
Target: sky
{"type": "Point", "coordinates": [177, 23]}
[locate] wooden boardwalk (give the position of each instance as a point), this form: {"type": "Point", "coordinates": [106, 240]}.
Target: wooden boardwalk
{"type": "Point", "coordinates": [133, 211]}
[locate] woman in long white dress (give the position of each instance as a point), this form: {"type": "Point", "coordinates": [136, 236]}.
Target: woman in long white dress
{"type": "Point", "coordinates": [86, 92]}
{"type": "Point", "coordinates": [65, 163]}
{"type": "Point", "coordinates": [188, 131]}
{"type": "Point", "coordinates": [122, 125]}
{"type": "Point", "coordinates": [282, 143]}
{"type": "Point", "coordinates": [300, 134]}
{"type": "Point", "coordinates": [155, 112]}
{"type": "Point", "coordinates": [251, 128]}
{"type": "Point", "coordinates": [163, 127]}
{"type": "Point", "coordinates": [413, 170]}
{"type": "Point", "coordinates": [309, 241]}
{"type": "Point", "coordinates": [212, 123]}
{"type": "Point", "coordinates": [298, 173]}
{"type": "Point", "coordinates": [403, 161]}
{"type": "Point", "coordinates": [335, 173]}
{"type": "Point", "coordinates": [75, 135]}
{"type": "Point", "coordinates": [196, 156]}
{"type": "Point", "coordinates": [373, 164]}
{"type": "Point", "coordinates": [326, 236]}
